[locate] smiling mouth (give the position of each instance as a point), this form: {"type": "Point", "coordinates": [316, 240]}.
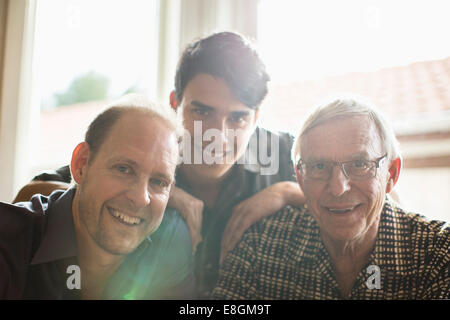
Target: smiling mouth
{"type": "Point", "coordinates": [125, 218]}
{"type": "Point", "coordinates": [342, 210]}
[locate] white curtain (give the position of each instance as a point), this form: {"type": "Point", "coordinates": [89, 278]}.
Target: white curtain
{"type": "Point", "coordinates": [182, 21]}
{"type": "Point", "coordinates": [16, 113]}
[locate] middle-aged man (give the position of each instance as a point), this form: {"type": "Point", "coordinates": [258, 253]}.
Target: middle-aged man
{"type": "Point", "coordinates": [220, 84]}
{"type": "Point", "coordinates": [92, 241]}
{"type": "Point", "coordinates": [351, 241]}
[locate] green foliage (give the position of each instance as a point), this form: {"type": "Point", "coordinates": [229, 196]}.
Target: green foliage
{"type": "Point", "coordinates": [86, 87]}
{"type": "Point", "coordinates": [135, 88]}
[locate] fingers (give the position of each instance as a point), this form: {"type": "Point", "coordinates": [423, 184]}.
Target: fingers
{"type": "Point", "coordinates": [196, 238]}
{"type": "Point", "coordinates": [229, 229]}
{"type": "Point", "coordinates": [191, 209]}
{"type": "Point", "coordinates": [225, 239]}
{"type": "Point", "coordinates": [195, 226]}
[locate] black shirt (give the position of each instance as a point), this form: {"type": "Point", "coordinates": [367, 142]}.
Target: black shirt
{"type": "Point", "coordinates": [38, 245]}
{"type": "Point", "coordinates": [262, 165]}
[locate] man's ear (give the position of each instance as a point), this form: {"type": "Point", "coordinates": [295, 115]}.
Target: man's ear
{"type": "Point", "coordinates": [80, 158]}
{"type": "Point", "coordinates": [298, 173]}
{"type": "Point", "coordinates": [173, 100]}
{"type": "Point", "coordinates": [256, 116]}
{"type": "Point", "coordinates": [394, 173]}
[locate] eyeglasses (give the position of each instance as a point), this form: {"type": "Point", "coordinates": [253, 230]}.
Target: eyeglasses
{"type": "Point", "coordinates": [353, 169]}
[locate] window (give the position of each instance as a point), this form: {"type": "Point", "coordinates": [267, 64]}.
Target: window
{"type": "Point", "coordinates": [86, 53]}
{"type": "Point", "coordinates": [393, 52]}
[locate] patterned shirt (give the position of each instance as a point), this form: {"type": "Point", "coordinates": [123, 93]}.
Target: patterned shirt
{"type": "Point", "coordinates": [283, 257]}
{"type": "Point", "coordinates": [246, 178]}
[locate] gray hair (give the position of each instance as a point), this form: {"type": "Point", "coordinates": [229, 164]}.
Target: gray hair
{"type": "Point", "coordinates": [346, 107]}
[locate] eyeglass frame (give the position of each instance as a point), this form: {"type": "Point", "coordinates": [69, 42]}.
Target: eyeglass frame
{"type": "Point", "coordinates": [341, 164]}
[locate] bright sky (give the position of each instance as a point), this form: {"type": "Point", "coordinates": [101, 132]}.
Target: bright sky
{"type": "Point", "coordinates": [302, 40]}
{"type": "Point", "coordinates": [114, 38]}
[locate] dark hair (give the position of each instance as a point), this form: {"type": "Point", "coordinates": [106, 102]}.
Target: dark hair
{"type": "Point", "coordinates": [228, 56]}
{"type": "Point", "coordinates": [99, 129]}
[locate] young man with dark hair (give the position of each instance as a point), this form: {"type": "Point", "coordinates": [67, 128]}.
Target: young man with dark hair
{"type": "Point", "coordinates": [220, 84]}
{"type": "Point", "coordinates": [246, 173]}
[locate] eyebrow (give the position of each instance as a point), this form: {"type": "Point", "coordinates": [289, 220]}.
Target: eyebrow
{"type": "Point", "coordinates": [166, 177]}
{"type": "Point", "coordinates": [240, 113]}
{"type": "Point", "coordinates": [356, 156]}
{"type": "Point", "coordinates": [210, 108]}
{"type": "Point", "coordinates": [161, 175]}
{"type": "Point", "coordinates": [361, 155]}
{"type": "Point", "coordinates": [126, 160]}
{"type": "Point", "coordinates": [202, 105]}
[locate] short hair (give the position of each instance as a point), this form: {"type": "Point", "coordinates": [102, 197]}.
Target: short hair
{"type": "Point", "coordinates": [228, 56]}
{"type": "Point", "coordinates": [346, 107]}
{"type": "Point", "coordinates": [101, 126]}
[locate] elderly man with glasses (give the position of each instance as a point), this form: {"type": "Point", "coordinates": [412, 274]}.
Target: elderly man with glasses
{"type": "Point", "coordinates": [351, 240]}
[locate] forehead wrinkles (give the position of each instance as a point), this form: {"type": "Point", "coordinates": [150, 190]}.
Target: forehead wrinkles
{"type": "Point", "coordinates": [162, 148]}
{"type": "Point", "coordinates": [142, 136]}
{"type": "Point", "coordinates": [342, 137]}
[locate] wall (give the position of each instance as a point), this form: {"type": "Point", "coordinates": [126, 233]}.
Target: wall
{"type": "Point", "coordinates": [3, 9]}
{"type": "Point", "coordinates": [426, 191]}
{"type": "Point", "coordinates": [16, 113]}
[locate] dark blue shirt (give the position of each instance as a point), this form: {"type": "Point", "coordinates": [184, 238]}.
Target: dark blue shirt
{"type": "Point", "coordinates": [38, 244]}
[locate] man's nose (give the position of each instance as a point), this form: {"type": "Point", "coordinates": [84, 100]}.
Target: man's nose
{"type": "Point", "coordinates": [222, 125]}
{"type": "Point", "coordinates": [222, 131]}
{"type": "Point", "coordinates": [139, 194]}
{"type": "Point", "coordinates": [338, 183]}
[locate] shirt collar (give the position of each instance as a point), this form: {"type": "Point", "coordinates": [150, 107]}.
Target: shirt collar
{"type": "Point", "coordinates": [250, 161]}
{"type": "Point", "coordinates": [307, 237]}
{"type": "Point", "coordinates": [390, 253]}
{"type": "Point", "coordinates": [392, 244]}
{"type": "Point", "coordinates": [59, 240]}
{"type": "Point", "coordinates": [313, 249]}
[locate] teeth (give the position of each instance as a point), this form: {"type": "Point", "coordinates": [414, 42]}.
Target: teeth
{"type": "Point", "coordinates": [340, 210]}
{"type": "Point", "coordinates": [126, 218]}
